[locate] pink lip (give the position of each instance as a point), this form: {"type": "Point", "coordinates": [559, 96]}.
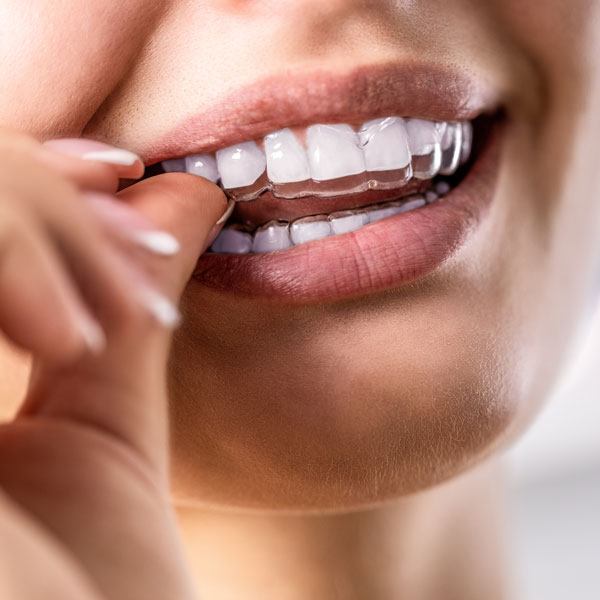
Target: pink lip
{"type": "Point", "coordinates": [384, 255]}
{"type": "Point", "coordinates": [304, 98]}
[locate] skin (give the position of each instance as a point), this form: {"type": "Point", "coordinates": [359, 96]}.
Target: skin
{"type": "Point", "coordinates": [324, 408]}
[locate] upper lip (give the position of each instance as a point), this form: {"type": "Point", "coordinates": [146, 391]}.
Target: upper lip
{"type": "Point", "coordinates": [299, 98]}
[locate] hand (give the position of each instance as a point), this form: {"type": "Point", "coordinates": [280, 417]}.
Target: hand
{"type": "Point", "coordinates": [85, 510]}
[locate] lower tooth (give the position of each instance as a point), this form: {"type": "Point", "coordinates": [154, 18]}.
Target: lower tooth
{"type": "Point", "coordinates": [442, 188]}
{"type": "Point", "coordinates": [310, 228]}
{"type": "Point", "coordinates": [232, 241]}
{"type": "Point", "coordinates": [273, 236]}
{"type": "Point", "coordinates": [347, 221]}
{"type": "Point", "coordinates": [431, 196]}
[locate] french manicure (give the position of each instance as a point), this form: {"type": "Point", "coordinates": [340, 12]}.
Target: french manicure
{"type": "Point", "coordinates": [92, 334]}
{"type": "Point", "coordinates": [114, 156]}
{"type": "Point", "coordinates": [163, 311]}
{"type": "Point", "coordinates": [157, 242]}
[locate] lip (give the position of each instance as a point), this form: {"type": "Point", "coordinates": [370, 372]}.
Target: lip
{"type": "Point", "coordinates": [424, 90]}
{"type": "Point", "coordinates": [384, 255]}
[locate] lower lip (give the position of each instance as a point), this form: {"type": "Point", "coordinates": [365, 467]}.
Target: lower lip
{"type": "Point", "coordinates": [377, 257]}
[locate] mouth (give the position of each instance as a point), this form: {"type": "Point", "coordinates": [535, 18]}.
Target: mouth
{"type": "Point", "coordinates": [330, 210]}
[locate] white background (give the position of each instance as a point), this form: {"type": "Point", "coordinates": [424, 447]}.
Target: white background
{"type": "Point", "coordinates": [555, 489]}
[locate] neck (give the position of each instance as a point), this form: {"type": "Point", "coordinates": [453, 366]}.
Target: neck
{"type": "Point", "coordinates": [443, 543]}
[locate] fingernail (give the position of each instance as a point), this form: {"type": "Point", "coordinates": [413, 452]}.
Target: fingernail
{"type": "Point", "coordinates": [114, 156]}
{"type": "Point", "coordinates": [163, 311]}
{"type": "Point", "coordinates": [132, 165]}
{"type": "Point", "coordinates": [157, 242]}
{"type": "Point", "coordinates": [92, 334]}
{"type": "Point", "coordinates": [214, 232]}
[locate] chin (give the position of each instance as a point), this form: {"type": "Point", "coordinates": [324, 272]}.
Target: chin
{"type": "Point", "coordinates": [336, 408]}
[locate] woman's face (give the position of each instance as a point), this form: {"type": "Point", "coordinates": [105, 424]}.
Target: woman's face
{"type": "Point", "coordinates": [343, 373]}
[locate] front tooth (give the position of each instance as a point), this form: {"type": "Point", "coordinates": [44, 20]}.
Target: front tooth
{"type": "Point", "coordinates": [232, 241]}
{"type": "Point", "coordinates": [385, 144]}
{"type": "Point", "coordinates": [309, 228]}
{"type": "Point", "coordinates": [203, 165]}
{"type": "Point", "coordinates": [346, 221]}
{"type": "Point", "coordinates": [467, 141]}
{"type": "Point", "coordinates": [333, 152]}
{"type": "Point", "coordinates": [174, 165]}
{"type": "Point", "coordinates": [274, 235]}
{"type": "Point", "coordinates": [451, 148]}
{"type": "Point", "coordinates": [425, 147]}
{"type": "Point", "coordinates": [286, 158]}
{"type": "Point", "coordinates": [240, 165]}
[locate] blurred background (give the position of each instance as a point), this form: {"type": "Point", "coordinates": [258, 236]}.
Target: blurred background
{"type": "Point", "coordinates": [555, 487]}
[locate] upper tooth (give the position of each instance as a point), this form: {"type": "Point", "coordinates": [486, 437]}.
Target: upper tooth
{"type": "Point", "coordinates": [286, 158]}
{"type": "Point", "coordinates": [174, 165]}
{"type": "Point", "coordinates": [467, 140]}
{"type": "Point", "coordinates": [272, 236]}
{"type": "Point", "coordinates": [423, 136]}
{"type": "Point", "coordinates": [385, 144]}
{"type": "Point", "coordinates": [425, 147]}
{"type": "Point", "coordinates": [203, 165]}
{"type": "Point", "coordinates": [333, 151]}
{"type": "Point", "coordinates": [451, 148]}
{"type": "Point", "coordinates": [240, 165]}
{"type": "Point", "coordinates": [309, 228]}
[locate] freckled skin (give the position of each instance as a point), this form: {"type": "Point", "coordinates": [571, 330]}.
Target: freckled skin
{"type": "Point", "coordinates": [346, 404]}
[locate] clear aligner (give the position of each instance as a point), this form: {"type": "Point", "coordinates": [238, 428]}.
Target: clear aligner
{"type": "Point", "coordinates": [335, 159]}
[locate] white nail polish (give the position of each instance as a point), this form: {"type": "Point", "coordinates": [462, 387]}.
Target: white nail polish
{"type": "Point", "coordinates": [114, 156]}
{"type": "Point", "coordinates": [157, 242]}
{"type": "Point", "coordinates": [162, 309]}
{"type": "Point", "coordinates": [92, 334]}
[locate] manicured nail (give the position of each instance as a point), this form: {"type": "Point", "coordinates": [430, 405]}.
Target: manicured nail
{"type": "Point", "coordinates": [128, 163]}
{"type": "Point", "coordinates": [163, 311]}
{"type": "Point", "coordinates": [157, 242]}
{"type": "Point", "coordinates": [114, 156]}
{"type": "Point", "coordinates": [92, 334]}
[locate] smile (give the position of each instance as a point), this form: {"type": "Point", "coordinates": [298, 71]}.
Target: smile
{"type": "Point", "coordinates": [332, 209]}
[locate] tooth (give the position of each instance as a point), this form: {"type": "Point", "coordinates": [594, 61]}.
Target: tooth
{"type": "Point", "coordinates": [309, 228]}
{"type": "Point", "coordinates": [395, 208]}
{"type": "Point", "coordinates": [467, 141]}
{"type": "Point", "coordinates": [385, 145]}
{"type": "Point", "coordinates": [232, 241]}
{"type": "Point", "coordinates": [333, 152]}
{"type": "Point", "coordinates": [274, 235]}
{"type": "Point", "coordinates": [286, 158]}
{"type": "Point", "coordinates": [174, 165]}
{"type": "Point", "coordinates": [203, 165]}
{"type": "Point", "coordinates": [425, 148]}
{"type": "Point", "coordinates": [345, 221]}
{"type": "Point", "coordinates": [240, 165]}
{"type": "Point", "coordinates": [431, 196]}
{"type": "Point", "coordinates": [451, 148]}
{"type": "Point", "coordinates": [413, 203]}
{"type": "Point", "coordinates": [442, 188]}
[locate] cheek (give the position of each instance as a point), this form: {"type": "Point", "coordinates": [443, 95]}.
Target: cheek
{"type": "Point", "coordinates": [61, 60]}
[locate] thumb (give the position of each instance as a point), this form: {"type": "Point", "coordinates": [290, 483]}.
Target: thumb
{"type": "Point", "coordinates": [123, 390]}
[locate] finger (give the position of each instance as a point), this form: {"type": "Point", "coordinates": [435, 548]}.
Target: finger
{"type": "Point", "coordinates": [90, 164]}
{"type": "Point", "coordinates": [123, 391]}
{"type": "Point", "coordinates": [41, 310]}
{"type": "Point", "coordinates": [188, 207]}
